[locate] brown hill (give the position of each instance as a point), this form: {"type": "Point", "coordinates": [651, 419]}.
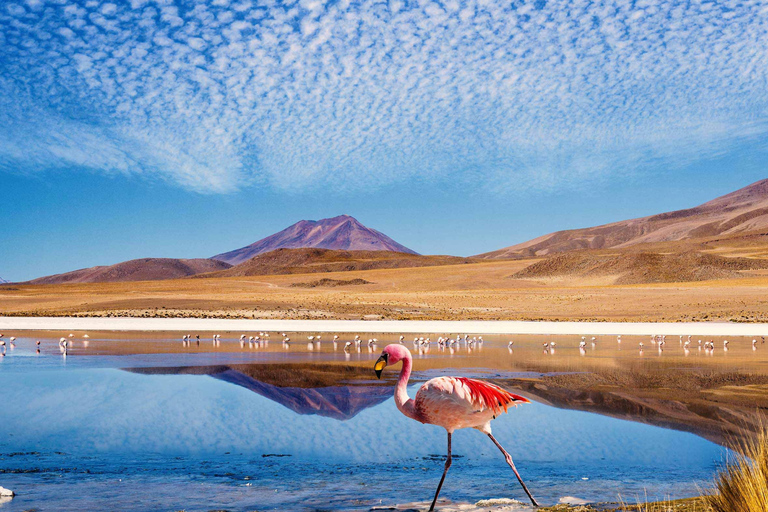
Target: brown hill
{"type": "Point", "coordinates": [642, 267]}
{"type": "Point", "coordinates": [305, 261]}
{"type": "Point", "coordinates": [745, 210]}
{"type": "Point", "coordinates": [145, 269]}
{"type": "Point", "coordinates": [340, 233]}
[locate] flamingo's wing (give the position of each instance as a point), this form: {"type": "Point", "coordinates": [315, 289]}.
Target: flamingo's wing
{"type": "Point", "coordinates": [454, 397]}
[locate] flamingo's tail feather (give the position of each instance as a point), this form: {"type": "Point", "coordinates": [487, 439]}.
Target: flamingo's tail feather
{"type": "Point", "coordinates": [491, 396]}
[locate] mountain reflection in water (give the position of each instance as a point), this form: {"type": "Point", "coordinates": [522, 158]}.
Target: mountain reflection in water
{"type": "Point", "coordinates": [340, 402]}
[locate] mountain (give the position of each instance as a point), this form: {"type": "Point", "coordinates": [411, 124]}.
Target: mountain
{"type": "Point", "coordinates": [743, 211]}
{"type": "Point", "coordinates": [3, 281]}
{"type": "Point", "coordinates": [307, 261]}
{"type": "Point", "coordinates": [145, 269]}
{"type": "Point", "coordinates": [340, 233]}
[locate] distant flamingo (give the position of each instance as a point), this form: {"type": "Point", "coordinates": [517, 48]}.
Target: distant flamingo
{"type": "Point", "coordinates": [452, 403]}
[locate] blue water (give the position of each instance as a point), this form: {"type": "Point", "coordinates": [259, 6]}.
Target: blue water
{"type": "Point", "coordinates": [80, 436]}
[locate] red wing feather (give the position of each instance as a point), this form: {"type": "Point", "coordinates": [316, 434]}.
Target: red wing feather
{"type": "Point", "coordinates": [491, 396]}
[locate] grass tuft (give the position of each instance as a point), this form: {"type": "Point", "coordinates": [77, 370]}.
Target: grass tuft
{"type": "Point", "coordinates": [743, 485]}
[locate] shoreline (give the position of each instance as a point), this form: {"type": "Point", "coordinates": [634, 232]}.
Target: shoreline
{"type": "Point", "coordinates": [21, 323]}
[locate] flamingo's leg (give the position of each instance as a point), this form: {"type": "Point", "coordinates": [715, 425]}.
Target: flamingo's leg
{"type": "Point", "coordinates": [445, 471]}
{"type": "Point", "coordinates": [508, 457]}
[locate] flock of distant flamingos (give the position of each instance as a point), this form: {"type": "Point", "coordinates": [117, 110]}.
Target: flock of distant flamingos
{"type": "Point", "coordinates": [420, 344]}
{"type": "Point", "coordinates": [450, 402]}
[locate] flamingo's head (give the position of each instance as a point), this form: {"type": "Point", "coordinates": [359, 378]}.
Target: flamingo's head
{"type": "Point", "coordinates": [391, 354]}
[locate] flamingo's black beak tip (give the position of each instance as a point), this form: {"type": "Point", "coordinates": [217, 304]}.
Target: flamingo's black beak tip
{"type": "Point", "coordinates": [381, 363]}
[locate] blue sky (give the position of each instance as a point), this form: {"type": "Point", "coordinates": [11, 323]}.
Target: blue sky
{"type": "Point", "coordinates": [187, 128]}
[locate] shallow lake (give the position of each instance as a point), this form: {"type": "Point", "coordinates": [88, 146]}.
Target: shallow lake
{"type": "Point", "coordinates": [122, 432]}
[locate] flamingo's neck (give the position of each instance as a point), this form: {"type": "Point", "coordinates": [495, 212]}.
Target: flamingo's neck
{"type": "Point", "coordinates": [402, 400]}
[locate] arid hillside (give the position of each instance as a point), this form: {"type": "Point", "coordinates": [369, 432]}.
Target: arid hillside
{"type": "Point", "coordinates": [632, 267]}
{"type": "Point", "coordinates": [308, 261]}
{"type": "Point", "coordinates": [144, 269]}
{"type": "Point", "coordinates": [343, 233]}
{"type": "Point", "coordinates": [740, 212]}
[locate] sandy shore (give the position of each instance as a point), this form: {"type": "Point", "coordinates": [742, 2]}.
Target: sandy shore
{"type": "Point", "coordinates": [384, 326]}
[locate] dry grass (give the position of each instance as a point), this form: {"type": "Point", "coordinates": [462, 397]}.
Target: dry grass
{"type": "Point", "coordinates": [743, 485]}
{"type": "Point", "coordinates": [686, 505]}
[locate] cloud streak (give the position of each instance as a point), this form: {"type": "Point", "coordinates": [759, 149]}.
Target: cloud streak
{"type": "Point", "coordinates": [216, 95]}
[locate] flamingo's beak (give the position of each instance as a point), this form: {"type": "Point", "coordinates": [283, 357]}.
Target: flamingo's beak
{"type": "Point", "coordinates": [381, 363]}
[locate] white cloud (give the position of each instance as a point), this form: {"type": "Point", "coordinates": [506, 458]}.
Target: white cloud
{"type": "Point", "coordinates": [215, 96]}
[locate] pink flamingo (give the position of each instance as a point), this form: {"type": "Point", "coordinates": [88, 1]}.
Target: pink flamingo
{"type": "Point", "coordinates": [452, 403]}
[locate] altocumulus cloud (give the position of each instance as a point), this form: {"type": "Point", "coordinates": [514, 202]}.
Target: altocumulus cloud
{"type": "Point", "coordinates": [215, 95]}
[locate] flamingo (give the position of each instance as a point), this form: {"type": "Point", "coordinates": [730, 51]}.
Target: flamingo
{"type": "Point", "coordinates": [451, 403]}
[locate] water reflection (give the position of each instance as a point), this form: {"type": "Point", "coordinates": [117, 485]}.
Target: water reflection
{"type": "Point", "coordinates": [334, 401]}
{"type": "Point", "coordinates": [75, 437]}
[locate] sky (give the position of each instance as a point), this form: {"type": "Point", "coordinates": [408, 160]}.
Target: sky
{"type": "Point", "coordinates": [187, 128]}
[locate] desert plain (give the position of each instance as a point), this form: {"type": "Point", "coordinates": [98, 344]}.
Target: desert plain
{"type": "Point", "coordinates": [483, 290]}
